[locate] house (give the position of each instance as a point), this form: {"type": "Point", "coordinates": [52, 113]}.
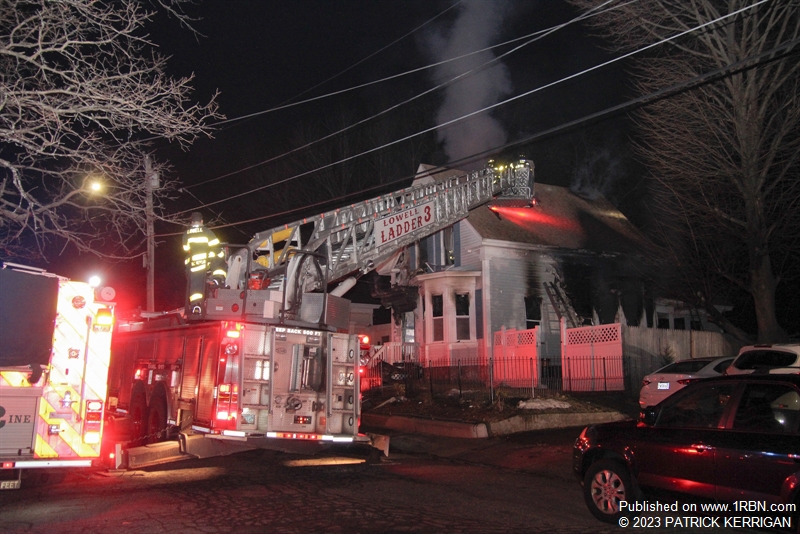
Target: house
{"type": "Point", "coordinates": [567, 261]}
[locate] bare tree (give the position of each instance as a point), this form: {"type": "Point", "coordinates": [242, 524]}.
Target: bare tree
{"type": "Point", "coordinates": [724, 154]}
{"type": "Point", "coordinates": [82, 94]}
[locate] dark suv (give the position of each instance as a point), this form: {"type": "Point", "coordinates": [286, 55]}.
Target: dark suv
{"type": "Point", "coordinates": [729, 438]}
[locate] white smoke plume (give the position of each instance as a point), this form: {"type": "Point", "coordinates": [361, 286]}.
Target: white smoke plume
{"type": "Point", "coordinates": [477, 26]}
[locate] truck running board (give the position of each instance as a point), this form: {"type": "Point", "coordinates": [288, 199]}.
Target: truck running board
{"type": "Point", "coordinates": [186, 447]}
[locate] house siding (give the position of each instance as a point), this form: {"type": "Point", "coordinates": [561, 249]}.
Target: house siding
{"type": "Point", "coordinates": [508, 286]}
{"type": "Point", "coordinates": [470, 243]}
{"type": "Point", "coordinates": [509, 275]}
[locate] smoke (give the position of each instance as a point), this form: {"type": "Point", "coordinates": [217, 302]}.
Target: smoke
{"type": "Point", "coordinates": [478, 24]}
{"type": "Point", "coordinates": [598, 175]}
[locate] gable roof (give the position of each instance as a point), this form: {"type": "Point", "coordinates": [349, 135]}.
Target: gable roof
{"type": "Point", "coordinates": [561, 219]}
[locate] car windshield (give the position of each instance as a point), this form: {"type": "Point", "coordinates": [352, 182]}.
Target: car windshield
{"type": "Point", "coordinates": [685, 366]}
{"type": "Point", "coordinates": [765, 358]}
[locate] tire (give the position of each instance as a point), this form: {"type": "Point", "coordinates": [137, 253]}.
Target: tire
{"type": "Point", "coordinates": [138, 415]}
{"type": "Point", "coordinates": [606, 484]}
{"type": "Point", "coordinates": [156, 420]}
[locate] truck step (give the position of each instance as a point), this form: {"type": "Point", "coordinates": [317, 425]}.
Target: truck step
{"type": "Point", "coordinates": [154, 454]}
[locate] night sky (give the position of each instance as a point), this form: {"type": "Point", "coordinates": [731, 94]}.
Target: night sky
{"type": "Point", "coordinates": [260, 54]}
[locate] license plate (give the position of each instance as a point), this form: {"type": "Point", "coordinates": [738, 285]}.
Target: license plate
{"type": "Point", "coordinates": [663, 385]}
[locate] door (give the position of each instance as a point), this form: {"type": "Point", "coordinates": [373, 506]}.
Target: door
{"type": "Point", "coordinates": [762, 448]}
{"type": "Point", "coordinates": [678, 452]}
{"type": "Point", "coordinates": [207, 381]}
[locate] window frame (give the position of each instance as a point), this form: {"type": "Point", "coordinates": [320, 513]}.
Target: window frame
{"type": "Point", "coordinates": [460, 319]}
{"type": "Point", "coordinates": [437, 321]}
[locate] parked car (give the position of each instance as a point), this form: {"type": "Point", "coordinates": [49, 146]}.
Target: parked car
{"type": "Point", "coordinates": [728, 438]}
{"type": "Point", "coordinates": [661, 384]}
{"type": "Point", "coordinates": [766, 358]}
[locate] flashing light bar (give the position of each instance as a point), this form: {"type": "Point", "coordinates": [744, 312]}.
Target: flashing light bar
{"type": "Point", "coordinates": [48, 463]}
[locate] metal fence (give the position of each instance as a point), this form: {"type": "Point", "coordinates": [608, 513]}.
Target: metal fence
{"type": "Point", "coordinates": [484, 380]}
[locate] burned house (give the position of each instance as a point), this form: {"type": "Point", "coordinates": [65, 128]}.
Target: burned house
{"type": "Point", "coordinates": [564, 262]}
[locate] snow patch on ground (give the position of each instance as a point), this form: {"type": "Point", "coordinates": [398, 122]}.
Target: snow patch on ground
{"type": "Point", "coordinates": [542, 404]}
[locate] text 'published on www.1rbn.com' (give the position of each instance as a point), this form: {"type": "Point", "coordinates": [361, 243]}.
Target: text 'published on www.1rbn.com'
{"type": "Point", "coordinates": [738, 514]}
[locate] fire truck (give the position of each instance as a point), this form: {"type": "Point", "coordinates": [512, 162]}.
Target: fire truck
{"type": "Point", "coordinates": [271, 363]}
{"type": "Point", "coordinates": [55, 346]}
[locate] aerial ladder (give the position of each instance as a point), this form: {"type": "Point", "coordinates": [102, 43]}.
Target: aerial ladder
{"type": "Point", "coordinates": [300, 259]}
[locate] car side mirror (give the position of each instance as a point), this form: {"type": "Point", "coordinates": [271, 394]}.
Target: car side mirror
{"type": "Point", "coordinates": [649, 415]}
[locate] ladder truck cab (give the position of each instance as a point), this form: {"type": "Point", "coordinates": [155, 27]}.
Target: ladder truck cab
{"type": "Point", "coordinates": [271, 359]}
{"type": "Point", "coordinates": [55, 345]}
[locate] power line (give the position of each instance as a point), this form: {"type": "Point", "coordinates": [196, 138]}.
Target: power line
{"type": "Point", "coordinates": [538, 35]}
{"type": "Point", "coordinates": [483, 110]}
{"type": "Point", "coordinates": [701, 79]}
{"type": "Point", "coordinates": [285, 104]}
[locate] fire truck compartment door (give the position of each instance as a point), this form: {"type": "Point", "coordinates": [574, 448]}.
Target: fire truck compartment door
{"type": "Point", "coordinates": [27, 312]}
{"type": "Point", "coordinates": [18, 409]}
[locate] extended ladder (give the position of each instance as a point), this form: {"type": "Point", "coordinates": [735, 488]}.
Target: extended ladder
{"type": "Point", "coordinates": [364, 234]}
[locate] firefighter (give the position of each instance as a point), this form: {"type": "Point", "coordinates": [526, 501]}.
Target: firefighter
{"type": "Point", "coordinates": [205, 263]}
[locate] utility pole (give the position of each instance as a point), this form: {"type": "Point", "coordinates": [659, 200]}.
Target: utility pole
{"type": "Point", "coordinates": [151, 183]}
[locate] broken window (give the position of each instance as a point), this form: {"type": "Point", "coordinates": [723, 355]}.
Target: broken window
{"type": "Point", "coordinates": [533, 312]}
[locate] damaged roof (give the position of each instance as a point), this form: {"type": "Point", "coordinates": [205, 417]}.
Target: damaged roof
{"type": "Point", "coordinates": [561, 219]}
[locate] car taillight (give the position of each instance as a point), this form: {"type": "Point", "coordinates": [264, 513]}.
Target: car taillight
{"type": "Point", "coordinates": [684, 381]}
{"type": "Point", "coordinates": [645, 382]}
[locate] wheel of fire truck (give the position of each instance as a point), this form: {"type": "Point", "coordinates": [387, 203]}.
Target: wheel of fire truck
{"type": "Point", "coordinates": [138, 415]}
{"type": "Point", "coordinates": [157, 417]}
